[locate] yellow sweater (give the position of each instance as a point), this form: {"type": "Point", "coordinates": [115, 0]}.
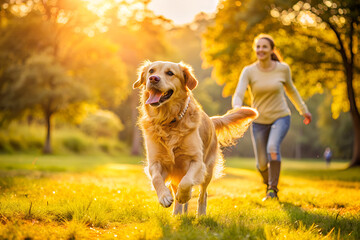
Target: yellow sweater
{"type": "Point", "coordinates": [268, 92]}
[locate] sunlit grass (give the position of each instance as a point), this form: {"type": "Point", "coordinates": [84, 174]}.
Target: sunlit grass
{"type": "Point", "coordinates": [90, 197]}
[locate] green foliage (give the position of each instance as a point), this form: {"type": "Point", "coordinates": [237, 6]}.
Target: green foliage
{"type": "Point", "coordinates": [302, 141]}
{"type": "Point", "coordinates": [75, 144]}
{"type": "Point", "coordinates": [97, 66]}
{"type": "Point", "coordinates": [20, 137]}
{"type": "Point", "coordinates": [22, 37]}
{"type": "Point", "coordinates": [209, 95]}
{"type": "Point", "coordinates": [340, 127]}
{"type": "Point", "coordinates": [73, 140]}
{"type": "Point", "coordinates": [91, 65]}
{"type": "Point", "coordinates": [41, 82]}
{"type": "Point", "coordinates": [51, 61]}
{"type": "Point", "coordinates": [102, 124]}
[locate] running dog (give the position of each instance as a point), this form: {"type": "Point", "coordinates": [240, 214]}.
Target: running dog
{"type": "Point", "coordinates": [182, 142]}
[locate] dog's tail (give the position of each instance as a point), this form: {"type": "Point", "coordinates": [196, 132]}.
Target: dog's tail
{"type": "Point", "coordinates": [233, 124]}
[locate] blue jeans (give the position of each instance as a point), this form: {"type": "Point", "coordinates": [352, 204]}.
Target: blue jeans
{"type": "Point", "coordinates": [266, 140]}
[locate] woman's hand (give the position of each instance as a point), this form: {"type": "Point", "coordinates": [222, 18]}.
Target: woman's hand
{"type": "Point", "coordinates": [307, 118]}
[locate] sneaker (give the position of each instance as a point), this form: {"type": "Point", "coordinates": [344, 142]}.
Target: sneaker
{"type": "Point", "coordinates": [271, 194]}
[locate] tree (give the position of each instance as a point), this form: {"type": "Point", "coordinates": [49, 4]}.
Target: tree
{"type": "Point", "coordinates": [51, 58]}
{"type": "Point", "coordinates": [329, 29]}
{"type": "Point", "coordinates": [43, 84]}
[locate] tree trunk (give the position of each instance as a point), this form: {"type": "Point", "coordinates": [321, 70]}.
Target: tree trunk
{"type": "Point", "coordinates": [348, 63]}
{"type": "Point", "coordinates": [47, 147]}
{"type": "Point", "coordinates": [355, 161]}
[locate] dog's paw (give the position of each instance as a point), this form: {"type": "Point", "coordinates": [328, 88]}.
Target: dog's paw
{"type": "Point", "coordinates": [183, 195]}
{"type": "Point", "coordinates": [166, 199]}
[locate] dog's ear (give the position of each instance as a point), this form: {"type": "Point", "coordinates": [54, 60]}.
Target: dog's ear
{"type": "Point", "coordinates": [190, 80]}
{"type": "Point", "coordinates": [141, 74]}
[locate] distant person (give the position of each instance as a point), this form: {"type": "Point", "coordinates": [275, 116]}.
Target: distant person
{"type": "Point", "coordinates": [268, 80]}
{"type": "Point", "coordinates": [327, 156]}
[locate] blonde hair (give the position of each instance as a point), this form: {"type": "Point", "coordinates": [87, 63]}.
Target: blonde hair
{"type": "Point", "coordinates": [275, 55]}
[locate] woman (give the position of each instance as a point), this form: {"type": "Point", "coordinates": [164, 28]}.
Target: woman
{"type": "Point", "coordinates": [268, 80]}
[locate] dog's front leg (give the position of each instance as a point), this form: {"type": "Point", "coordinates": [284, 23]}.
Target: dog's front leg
{"type": "Point", "coordinates": [157, 178]}
{"type": "Point", "coordinates": [195, 175]}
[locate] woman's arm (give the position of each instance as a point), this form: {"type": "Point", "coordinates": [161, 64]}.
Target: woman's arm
{"type": "Point", "coordinates": [238, 96]}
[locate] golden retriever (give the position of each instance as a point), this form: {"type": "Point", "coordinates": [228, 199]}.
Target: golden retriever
{"type": "Point", "coordinates": [182, 143]}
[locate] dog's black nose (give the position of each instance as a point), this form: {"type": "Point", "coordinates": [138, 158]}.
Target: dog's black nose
{"type": "Point", "coordinates": [154, 79]}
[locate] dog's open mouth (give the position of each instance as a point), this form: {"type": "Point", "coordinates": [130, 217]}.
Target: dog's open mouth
{"type": "Point", "coordinates": [157, 97]}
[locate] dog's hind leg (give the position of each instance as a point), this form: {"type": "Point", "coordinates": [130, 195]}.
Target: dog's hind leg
{"type": "Point", "coordinates": [178, 207]}
{"type": "Point", "coordinates": [202, 200]}
{"type": "Point", "coordinates": [186, 207]}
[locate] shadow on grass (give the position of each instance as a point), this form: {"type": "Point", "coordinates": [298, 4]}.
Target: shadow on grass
{"type": "Point", "coordinates": [6, 183]}
{"type": "Point", "coordinates": [347, 224]}
{"type": "Point", "coordinates": [347, 175]}
{"type": "Point", "coordinates": [207, 227]}
{"type": "Point", "coordinates": [339, 224]}
{"type": "Point", "coordinates": [234, 176]}
{"type": "Point", "coordinates": [7, 177]}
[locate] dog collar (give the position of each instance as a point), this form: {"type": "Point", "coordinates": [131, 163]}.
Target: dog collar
{"type": "Point", "coordinates": [182, 113]}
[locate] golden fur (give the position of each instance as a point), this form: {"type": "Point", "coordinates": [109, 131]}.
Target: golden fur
{"type": "Point", "coordinates": [183, 151]}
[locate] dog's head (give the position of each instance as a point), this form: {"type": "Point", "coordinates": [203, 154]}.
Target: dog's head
{"type": "Point", "coordinates": [164, 80]}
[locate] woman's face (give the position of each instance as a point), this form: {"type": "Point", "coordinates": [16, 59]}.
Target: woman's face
{"type": "Point", "coordinates": [263, 49]}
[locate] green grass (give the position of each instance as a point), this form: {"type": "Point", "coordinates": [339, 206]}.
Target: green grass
{"type": "Point", "coordinates": [107, 197]}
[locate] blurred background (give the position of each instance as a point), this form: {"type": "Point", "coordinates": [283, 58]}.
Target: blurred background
{"type": "Point", "coordinates": [67, 68]}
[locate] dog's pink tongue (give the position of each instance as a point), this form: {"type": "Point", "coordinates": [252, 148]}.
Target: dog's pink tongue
{"type": "Point", "coordinates": [154, 97]}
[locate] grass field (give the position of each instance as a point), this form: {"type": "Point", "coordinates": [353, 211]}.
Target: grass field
{"type": "Point", "coordinates": [102, 197]}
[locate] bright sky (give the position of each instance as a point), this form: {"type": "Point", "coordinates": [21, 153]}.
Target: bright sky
{"type": "Point", "coordinates": [182, 11]}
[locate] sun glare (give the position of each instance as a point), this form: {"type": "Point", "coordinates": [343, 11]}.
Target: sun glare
{"type": "Point", "coordinates": [99, 7]}
{"type": "Point", "coordinates": [306, 18]}
{"type": "Point", "coordinates": [126, 9]}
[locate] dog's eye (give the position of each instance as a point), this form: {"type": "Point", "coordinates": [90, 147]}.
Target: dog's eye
{"type": "Point", "coordinates": [151, 71]}
{"type": "Point", "coordinates": [170, 73]}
